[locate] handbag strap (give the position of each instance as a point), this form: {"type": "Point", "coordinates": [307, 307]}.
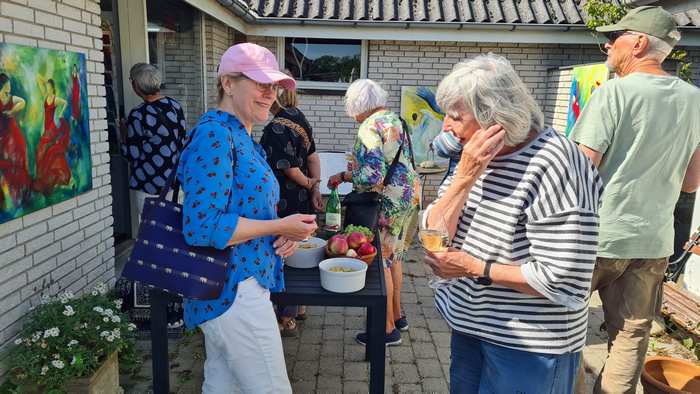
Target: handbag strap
{"type": "Point", "coordinates": [407, 132]}
{"type": "Point", "coordinates": [172, 182]}
{"type": "Point", "coordinates": [297, 128]}
{"type": "Point", "coordinates": [392, 167]}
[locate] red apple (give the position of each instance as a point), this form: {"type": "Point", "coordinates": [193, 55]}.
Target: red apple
{"type": "Point", "coordinates": [338, 245]}
{"type": "Point", "coordinates": [356, 239]}
{"type": "Point", "coordinates": [366, 249]}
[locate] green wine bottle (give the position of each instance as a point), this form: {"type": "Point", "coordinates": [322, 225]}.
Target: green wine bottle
{"type": "Point", "coordinates": [333, 211]}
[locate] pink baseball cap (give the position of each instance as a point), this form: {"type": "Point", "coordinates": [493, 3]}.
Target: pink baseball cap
{"type": "Point", "coordinates": [256, 63]}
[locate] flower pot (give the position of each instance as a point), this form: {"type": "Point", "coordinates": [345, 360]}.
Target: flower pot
{"type": "Point", "coordinates": [667, 375]}
{"type": "Point", "coordinates": [104, 381]}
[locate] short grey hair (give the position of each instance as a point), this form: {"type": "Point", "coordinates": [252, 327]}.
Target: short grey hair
{"type": "Point", "coordinates": [658, 49]}
{"type": "Point", "coordinates": [489, 88]}
{"type": "Point", "coordinates": [147, 78]}
{"type": "Point", "coordinates": [363, 96]}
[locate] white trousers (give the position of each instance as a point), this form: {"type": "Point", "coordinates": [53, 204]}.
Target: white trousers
{"type": "Point", "coordinates": [244, 347]}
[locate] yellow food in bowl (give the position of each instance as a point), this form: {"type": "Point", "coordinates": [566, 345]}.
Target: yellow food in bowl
{"type": "Point", "coordinates": [341, 269]}
{"type": "Point", "coordinates": [308, 245]}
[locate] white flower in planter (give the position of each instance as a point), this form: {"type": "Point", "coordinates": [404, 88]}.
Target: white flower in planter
{"type": "Point", "coordinates": [69, 311]}
{"type": "Point", "coordinates": [98, 309]}
{"type": "Point", "coordinates": [105, 319]}
{"type": "Point", "coordinates": [73, 360]}
{"type": "Point", "coordinates": [44, 370]}
{"type": "Point", "coordinates": [45, 299]}
{"type": "Point", "coordinates": [52, 332]}
{"type": "Point", "coordinates": [104, 333]}
{"type": "Point", "coordinates": [118, 303]}
{"type": "Point", "coordinates": [94, 293]}
{"type": "Point", "coordinates": [36, 336]}
{"type": "Point", "coordinates": [109, 312]}
{"type": "Point", "coordinates": [58, 364]}
{"type": "Point", "coordinates": [72, 343]}
{"type": "Point", "coordinates": [116, 319]}
{"type": "Point", "coordinates": [18, 341]}
{"type": "Point", "coordinates": [131, 327]}
{"type": "Point", "coordinates": [110, 338]}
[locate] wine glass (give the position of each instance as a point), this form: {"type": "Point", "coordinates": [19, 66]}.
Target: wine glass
{"type": "Point", "coordinates": [435, 238]}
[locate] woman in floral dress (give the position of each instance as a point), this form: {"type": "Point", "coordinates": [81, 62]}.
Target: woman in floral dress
{"type": "Point", "coordinates": [379, 138]}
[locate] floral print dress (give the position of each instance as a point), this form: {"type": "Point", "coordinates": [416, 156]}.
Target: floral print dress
{"type": "Point", "coordinates": [378, 139]}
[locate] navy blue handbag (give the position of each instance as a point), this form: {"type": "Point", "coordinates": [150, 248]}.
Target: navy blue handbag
{"type": "Point", "coordinates": [162, 259]}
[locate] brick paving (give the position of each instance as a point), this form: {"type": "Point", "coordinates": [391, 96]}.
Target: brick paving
{"type": "Point", "coordinates": [325, 358]}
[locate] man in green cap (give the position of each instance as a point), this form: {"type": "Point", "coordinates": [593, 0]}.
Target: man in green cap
{"type": "Point", "coordinates": [642, 131]}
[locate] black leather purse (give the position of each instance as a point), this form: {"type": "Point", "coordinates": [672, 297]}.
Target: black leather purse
{"type": "Point", "coordinates": [362, 208]}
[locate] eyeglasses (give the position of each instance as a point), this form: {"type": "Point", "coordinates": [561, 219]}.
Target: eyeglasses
{"type": "Point", "coordinates": [614, 35]}
{"type": "Point", "coordinates": [262, 87]}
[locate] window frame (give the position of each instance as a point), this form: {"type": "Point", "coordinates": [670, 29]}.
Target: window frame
{"type": "Point", "coordinates": [330, 86]}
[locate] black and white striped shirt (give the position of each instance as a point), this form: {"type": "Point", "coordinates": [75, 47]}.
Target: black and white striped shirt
{"type": "Point", "coordinates": [536, 208]}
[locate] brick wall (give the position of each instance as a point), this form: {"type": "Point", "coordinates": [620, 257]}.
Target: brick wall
{"type": "Point", "coordinates": [183, 69]}
{"type": "Point", "coordinates": [67, 245]}
{"type": "Point", "coordinates": [218, 38]}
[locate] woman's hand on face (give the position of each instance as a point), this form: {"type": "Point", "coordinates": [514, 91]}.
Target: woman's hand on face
{"type": "Point", "coordinates": [316, 200]}
{"type": "Point", "coordinates": [298, 227]}
{"type": "Point", "coordinates": [478, 152]}
{"type": "Point", "coordinates": [284, 247]}
{"type": "Point", "coordinates": [335, 180]}
{"type": "Point", "coordinates": [454, 264]}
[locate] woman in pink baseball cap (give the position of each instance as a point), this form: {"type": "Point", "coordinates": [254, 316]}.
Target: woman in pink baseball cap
{"type": "Point", "coordinates": [231, 197]}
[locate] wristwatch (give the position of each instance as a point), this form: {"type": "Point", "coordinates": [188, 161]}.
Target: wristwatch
{"type": "Point", "coordinates": [486, 279]}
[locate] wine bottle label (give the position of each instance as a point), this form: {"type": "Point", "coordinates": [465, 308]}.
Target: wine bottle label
{"type": "Point", "coordinates": [333, 220]}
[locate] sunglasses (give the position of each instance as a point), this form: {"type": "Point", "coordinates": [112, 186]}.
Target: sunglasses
{"type": "Point", "coordinates": [614, 35]}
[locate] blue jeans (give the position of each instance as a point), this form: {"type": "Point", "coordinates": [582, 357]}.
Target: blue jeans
{"type": "Point", "coordinates": [481, 367]}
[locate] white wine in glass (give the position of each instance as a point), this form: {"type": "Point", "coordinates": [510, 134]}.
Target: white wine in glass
{"type": "Point", "coordinates": [435, 238]}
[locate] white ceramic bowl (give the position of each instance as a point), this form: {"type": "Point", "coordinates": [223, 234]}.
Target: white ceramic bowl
{"type": "Point", "coordinates": [309, 257]}
{"type": "Point", "coordinates": [343, 282]}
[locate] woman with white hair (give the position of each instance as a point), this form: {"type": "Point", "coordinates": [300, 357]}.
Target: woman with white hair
{"type": "Point", "coordinates": [522, 213]}
{"type": "Point", "coordinates": [379, 139]}
{"type": "Point", "coordinates": [154, 132]}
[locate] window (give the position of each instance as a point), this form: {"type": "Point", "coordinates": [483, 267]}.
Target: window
{"type": "Point", "coordinates": [318, 63]}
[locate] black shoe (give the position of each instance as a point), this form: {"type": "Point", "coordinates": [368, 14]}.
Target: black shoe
{"type": "Point", "coordinates": [402, 324]}
{"type": "Point", "coordinates": [392, 339]}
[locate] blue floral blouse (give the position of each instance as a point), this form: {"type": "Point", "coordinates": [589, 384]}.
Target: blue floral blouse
{"type": "Point", "coordinates": [219, 188]}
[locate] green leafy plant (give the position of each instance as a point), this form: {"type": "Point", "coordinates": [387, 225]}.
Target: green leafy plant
{"type": "Point", "coordinates": [602, 13]}
{"type": "Point", "coordinates": [67, 337]}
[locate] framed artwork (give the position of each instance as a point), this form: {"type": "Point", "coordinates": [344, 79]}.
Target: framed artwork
{"type": "Point", "coordinates": [584, 81]}
{"type": "Point", "coordinates": [424, 118]}
{"type": "Point", "coordinates": [44, 129]}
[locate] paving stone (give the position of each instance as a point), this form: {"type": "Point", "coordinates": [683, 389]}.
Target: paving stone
{"type": "Point", "coordinates": [333, 333]}
{"type": "Point", "coordinates": [437, 325]}
{"type": "Point", "coordinates": [444, 354]}
{"type": "Point", "coordinates": [332, 349]}
{"type": "Point", "coordinates": [304, 386]}
{"type": "Point", "coordinates": [355, 323]}
{"type": "Point", "coordinates": [290, 345]}
{"type": "Point", "coordinates": [401, 354]}
{"type": "Point", "coordinates": [329, 384]}
{"type": "Point", "coordinates": [424, 350]}
{"type": "Point", "coordinates": [305, 370]}
{"type": "Point", "coordinates": [423, 290]}
{"type": "Point", "coordinates": [351, 387]}
{"type": "Point", "coordinates": [354, 352]}
{"type": "Point", "coordinates": [435, 385]}
{"type": "Point", "coordinates": [430, 312]}
{"type": "Point", "coordinates": [355, 311]}
{"type": "Point", "coordinates": [405, 373]}
{"type": "Point", "coordinates": [349, 337]}
{"type": "Point", "coordinates": [429, 368]}
{"type": "Point", "coordinates": [334, 319]}
{"type": "Point", "coordinates": [314, 310]}
{"type": "Point", "coordinates": [313, 322]}
{"type": "Point", "coordinates": [420, 334]}
{"type": "Point", "coordinates": [417, 321]}
{"type": "Point", "coordinates": [312, 335]}
{"type": "Point", "coordinates": [330, 366]}
{"type": "Point", "coordinates": [441, 339]}
{"type": "Point", "coordinates": [409, 388]}
{"type": "Point", "coordinates": [356, 371]}
{"type": "Point", "coordinates": [335, 309]}
{"type": "Point", "coordinates": [408, 298]}
{"type": "Point", "coordinates": [309, 352]}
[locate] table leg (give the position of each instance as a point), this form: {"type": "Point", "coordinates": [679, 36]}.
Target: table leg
{"type": "Point", "coordinates": [368, 330]}
{"type": "Point", "coordinates": [377, 355]}
{"type": "Point", "coordinates": [159, 341]}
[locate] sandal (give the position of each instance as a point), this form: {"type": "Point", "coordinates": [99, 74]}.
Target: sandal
{"type": "Point", "coordinates": [289, 328]}
{"type": "Point", "coordinates": [302, 315]}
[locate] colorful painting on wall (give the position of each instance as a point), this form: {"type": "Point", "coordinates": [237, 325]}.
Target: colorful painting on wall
{"type": "Point", "coordinates": [44, 129]}
{"type": "Point", "coordinates": [585, 80]}
{"type": "Point", "coordinates": [423, 116]}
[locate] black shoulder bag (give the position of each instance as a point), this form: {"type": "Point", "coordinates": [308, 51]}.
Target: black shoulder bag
{"type": "Point", "coordinates": [362, 208]}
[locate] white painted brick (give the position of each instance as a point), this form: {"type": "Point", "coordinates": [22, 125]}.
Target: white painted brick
{"type": "Point", "coordinates": [47, 252]}
{"type": "Point", "coordinates": [84, 260]}
{"type": "Point", "coordinates": [38, 243]}
{"type": "Point", "coordinates": [51, 20]}
{"type": "Point", "coordinates": [78, 49]}
{"type": "Point", "coordinates": [74, 26]}
{"type": "Point", "coordinates": [60, 220]}
{"type": "Point", "coordinates": [94, 31]}
{"type": "Point", "coordinates": [88, 220]}
{"type": "Point", "coordinates": [10, 227]}
{"type": "Point", "coordinates": [67, 267]}
{"type": "Point", "coordinates": [64, 206]}
{"type": "Point", "coordinates": [16, 11]}
{"type": "Point", "coordinates": [93, 7]}
{"type": "Point", "coordinates": [57, 35]}
{"type": "Point", "coordinates": [31, 232]}
{"type": "Point", "coordinates": [72, 240]}
{"type": "Point", "coordinates": [10, 256]}
{"type": "Point", "coordinates": [68, 11]}
{"type": "Point", "coordinates": [5, 24]}
{"type": "Point", "coordinates": [12, 284]}
{"type": "Point", "coordinates": [41, 269]}
{"type": "Point", "coordinates": [36, 217]}
{"type": "Point", "coordinates": [13, 39]}
{"type": "Point", "coordinates": [45, 5]}
{"type": "Point", "coordinates": [68, 281]}
{"type": "Point", "coordinates": [86, 17]}
{"type": "Point", "coordinates": [65, 231]}
{"type": "Point", "coordinates": [10, 301]}
{"type": "Point", "coordinates": [51, 45]}
{"type": "Point", "coordinates": [83, 210]}
{"type": "Point", "coordinates": [79, 39]}
{"type": "Point", "coordinates": [75, 3]}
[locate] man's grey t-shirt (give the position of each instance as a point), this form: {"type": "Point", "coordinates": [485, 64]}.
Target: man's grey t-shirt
{"type": "Point", "coordinates": [647, 128]}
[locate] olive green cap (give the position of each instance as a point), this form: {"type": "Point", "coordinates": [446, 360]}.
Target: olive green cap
{"type": "Point", "coordinates": [651, 20]}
